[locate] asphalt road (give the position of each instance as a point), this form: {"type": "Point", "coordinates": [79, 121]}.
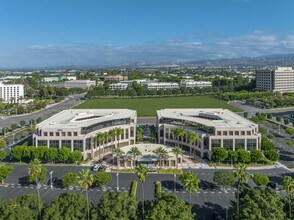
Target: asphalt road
{"type": "Point", "coordinates": [208, 199]}
{"type": "Point", "coordinates": [44, 113]}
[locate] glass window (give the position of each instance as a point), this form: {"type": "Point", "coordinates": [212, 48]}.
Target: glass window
{"type": "Point", "coordinates": [56, 133]}
{"type": "Point", "coordinates": [237, 133]}
{"type": "Point", "coordinates": [68, 133]}
{"type": "Point", "coordinates": [231, 133]}
{"type": "Point", "coordinates": [228, 144]}
{"type": "Point", "coordinates": [45, 134]}
{"type": "Point", "coordinates": [219, 133]}
{"type": "Point", "coordinates": [51, 134]}
{"type": "Point", "coordinates": [127, 133]}
{"type": "Point", "coordinates": [78, 145]}
{"type": "Point", "coordinates": [75, 133]}
{"type": "Point", "coordinates": [132, 132]}
{"type": "Point", "coordinates": [54, 143]}
{"type": "Point", "coordinates": [248, 132]}
{"type": "Point", "coordinates": [225, 133]}
{"type": "Point", "coordinates": [251, 144]}
{"type": "Point", "coordinates": [216, 143]}
{"type": "Point", "coordinates": [66, 143]}
{"type": "Point", "coordinates": [62, 133]}
{"type": "Point", "coordinates": [239, 143]}
{"type": "Point", "coordinates": [42, 142]}
{"type": "Point", "coordinates": [242, 132]}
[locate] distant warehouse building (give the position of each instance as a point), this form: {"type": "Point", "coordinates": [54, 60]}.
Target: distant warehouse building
{"type": "Point", "coordinates": [162, 85]}
{"type": "Point", "coordinates": [275, 80]}
{"type": "Point", "coordinates": [77, 129]}
{"type": "Point", "coordinates": [193, 84]}
{"type": "Point", "coordinates": [79, 84]}
{"type": "Point", "coordinates": [215, 127]}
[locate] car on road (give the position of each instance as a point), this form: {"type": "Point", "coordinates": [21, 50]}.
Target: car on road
{"type": "Point", "coordinates": [272, 185]}
{"type": "Point", "coordinates": [102, 168]}
{"type": "Point", "coordinates": [54, 181]}
{"type": "Point", "coordinates": [96, 167]}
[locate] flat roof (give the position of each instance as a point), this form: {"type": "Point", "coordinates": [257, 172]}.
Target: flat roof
{"type": "Point", "coordinates": [76, 118]}
{"type": "Point", "coordinates": [212, 117]}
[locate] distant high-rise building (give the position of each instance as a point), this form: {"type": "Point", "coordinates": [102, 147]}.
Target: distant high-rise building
{"type": "Point", "coordinates": [276, 80]}
{"type": "Point", "coordinates": [11, 93]}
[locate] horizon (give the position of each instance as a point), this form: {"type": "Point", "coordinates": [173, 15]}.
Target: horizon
{"type": "Point", "coordinates": [111, 33]}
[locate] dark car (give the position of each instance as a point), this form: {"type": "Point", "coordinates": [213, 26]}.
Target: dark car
{"type": "Point", "coordinates": [272, 185]}
{"type": "Point", "coordinates": [217, 216]}
{"type": "Point", "coordinates": [102, 168]}
{"type": "Point", "coordinates": [54, 181]}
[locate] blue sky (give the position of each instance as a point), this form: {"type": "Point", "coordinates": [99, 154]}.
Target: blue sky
{"type": "Point", "coordinates": [37, 33]}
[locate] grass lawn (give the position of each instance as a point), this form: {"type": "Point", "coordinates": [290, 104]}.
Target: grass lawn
{"type": "Point", "coordinates": [147, 106]}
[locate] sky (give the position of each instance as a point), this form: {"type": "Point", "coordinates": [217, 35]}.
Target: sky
{"type": "Point", "coordinates": [44, 33]}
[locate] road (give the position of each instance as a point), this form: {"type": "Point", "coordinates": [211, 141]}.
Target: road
{"type": "Point", "coordinates": [208, 199]}
{"type": "Point", "coordinates": [44, 113]}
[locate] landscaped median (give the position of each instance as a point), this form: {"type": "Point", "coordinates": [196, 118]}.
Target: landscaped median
{"type": "Point", "coordinates": [159, 171]}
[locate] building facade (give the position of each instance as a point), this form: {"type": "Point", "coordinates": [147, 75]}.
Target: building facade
{"type": "Point", "coordinates": [11, 93]}
{"type": "Point", "coordinates": [77, 129]}
{"type": "Point", "coordinates": [118, 86]}
{"type": "Point", "coordinates": [115, 78]}
{"type": "Point", "coordinates": [215, 128]}
{"type": "Point", "coordinates": [193, 84]}
{"type": "Point", "coordinates": [85, 84]}
{"type": "Point", "coordinates": [276, 80]}
{"type": "Point", "coordinates": [162, 85]}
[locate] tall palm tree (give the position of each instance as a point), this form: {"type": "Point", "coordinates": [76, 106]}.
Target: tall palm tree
{"type": "Point", "coordinates": [141, 172]}
{"type": "Point", "coordinates": [160, 153]}
{"type": "Point", "coordinates": [242, 175]}
{"type": "Point", "coordinates": [182, 133]}
{"type": "Point", "coordinates": [175, 132]}
{"type": "Point", "coordinates": [118, 133]}
{"type": "Point", "coordinates": [190, 183]}
{"type": "Point", "coordinates": [177, 151]}
{"type": "Point", "coordinates": [135, 153]}
{"type": "Point", "coordinates": [37, 173]}
{"type": "Point", "coordinates": [86, 181]}
{"type": "Point", "coordinates": [193, 137]}
{"type": "Point", "coordinates": [288, 186]}
{"type": "Point", "coordinates": [117, 153]}
{"type": "Point", "coordinates": [111, 134]}
{"type": "Point", "coordinates": [106, 139]}
{"type": "Point", "coordinates": [99, 139]}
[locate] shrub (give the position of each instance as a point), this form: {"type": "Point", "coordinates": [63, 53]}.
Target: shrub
{"type": "Point", "coordinates": [271, 136]}
{"type": "Point", "coordinates": [243, 155]}
{"type": "Point", "coordinates": [102, 178]}
{"type": "Point", "coordinates": [255, 155]}
{"type": "Point", "coordinates": [69, 179]}
{"type": "Point", "coordinates": [133, 192]}
{"type": "Point", "coordinates": [157, 188]}
{"type": "Point", "coordinates": [260, 179]}
{"type": "Point", "coordinates": [272, 155]}
{"type": "Point", "coordinates": [290, 143]}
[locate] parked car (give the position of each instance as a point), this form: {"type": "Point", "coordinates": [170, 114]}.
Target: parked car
{"type": "Point", "coordinates": [217, 216]}
{"type": "Point", "coordinates": [102, 168]}
{"type": "Point", "coordinates": [96, 167]}
{"type": "Point", "coordinates": [272, 185]}
{"type": "Point", "coordinates": [54, 181]}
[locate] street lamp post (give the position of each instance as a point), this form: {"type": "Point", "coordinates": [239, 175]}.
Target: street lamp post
{"type": "Point", "coordinates": [51, 185]}
{"type": "Point", "coordinates": [117, 181]}
{"type": "Point", "coordinates": [175, 177]}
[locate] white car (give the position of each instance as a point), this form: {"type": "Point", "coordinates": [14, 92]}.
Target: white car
{"type": "Point", "coordinates": [96, 167]}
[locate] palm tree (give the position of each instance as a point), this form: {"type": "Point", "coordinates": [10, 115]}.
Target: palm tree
{"type": "Point", "coordinates": [288, 186]}
{"type": "Point", "coordinates": [175, 132]}
{"type": "Point", "coordinates": [160, 153]}
{"type": "Point", "coordinates": [118, 133]}
{"type": "Point", "coordinates": [141, 172]}
{"type": "Point", "coordinates": [86, 181]}
{"type": "Point", "coordinates": [117, 152]}
{"type": "Point", "coordinates": [134, 152]}
{"type": "Point", "coordinates": [242, 175]}
{"type": "Point", "coordinates": [100, 139]}
{"type": "Point", "coordinates": [177, 151]}
{"type": "Point", "coordinates": [106, 139]}
{"type": "Point", "coordinates": [111, 134]}
{"type": "Point", "coordinates": [190, 183]}
{"type": "Point", "coordinates": [182, 134]}
{"type": "Point", "coordinates": [37, 173]}
{"type": "Point", "coordinates": [193, 137]}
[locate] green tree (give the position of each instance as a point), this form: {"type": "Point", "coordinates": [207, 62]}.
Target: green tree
{"type": "Point", "coordinates": [271, 136]}
{"type": "Point", "coordinates": [51, 154]}
{"type": "Point", "coordinates": [139, 135]}
{"type": "Point", "coordinates": [5, 171]}
{"type": "Point", "coordinates": [134, 152]}
{"type": "Point", "coordinates": [177, 151]}
{"type": "Point", "coordinates": [2, 154]}
{"type": "Point", "coordinates": [102, 178]}
{"type": "Point", "coordinates": [272, 155]}
{"type": "Point", "coordinates": [242, 176]}
{"type": "Point", "coordinates": [22, 123]}
{"type": "Point", "coordinates": [192, 138]}
{"type": "Point", "coordinates": [190, 182]}
{"type": "Point", "coordinates": [118, 133]}
{"type": "Point", "coordinates": [63, 154]}
{"type": "Point", "coordinates": [243, 155]}
{"type": "Point", "coordinates": [86, 180]}
{"type": "Point", "coordinates": [161, 153]}
{"type": "Point", "coordinates": [3, 143]}
{"type": "Point", "coordinates": [69, 179]}
{"type": "Point", "coordinates": [260, 179]}
{"type": "Point", "coordinates": [288, 186]}
{"type": "Point", "coordinates": [69, 206]}
{"type": "Point", "coordinates": [233, 156]}
{"type": "Point", "coordinates": [168, 206]}
{"type": "Point", "coordinates": [245, 114]}
{"type": "Point", "coordinates": [118, 153]}
{"type": "Point", "coordinates": [117, 205]}
{"type": "Point", "coordinates": [255, 155]}
{"type": "Point", "coordinates": [37, 173]}
{"type": "Point", "coordinates": [76, 156]}
{"type": "Point", "coordinates": [219, 154]}
{"type": "Point", "coordinates": [22, 207]}
{"type": "Point", "coordinates": [39, 120]}
{"type": "Point", "coordinates": [141, 172]}
{"type": "Point", "coordinates": [17, 152]}
{"type": "Point", "coordinates": [13, 126]}
{"type": "Point", "coordinates": [224, 178]}
{"type": "Point", "coordinates": [266, 144]}
{"type": "Point", "coordinates": [259, 204]}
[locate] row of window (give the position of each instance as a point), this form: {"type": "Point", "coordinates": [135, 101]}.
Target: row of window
{"type": "Point", "coordinates": [77, 144]}
{"type": "Point", "coordinates": [231, 133]}
{"type": "Point", "coordinates": [57, 134]}
{"type": "Point", "coordinates": [228, 144]}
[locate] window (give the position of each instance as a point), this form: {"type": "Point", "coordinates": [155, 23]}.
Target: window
{"type": "Point", "coordinates": [127, 133]}
{"type": "Point", "coordinates": [248, 132]}
{"type": "Point", "coordinates": [219, 133]}
{"type": "Point", "coordinates": [228, 144]}
{"type": "Point", "coordinates": [251, 144]}
{"type": "Point", "coordinates": [51, 134]}
{"type": "Point", "coordinates": [68, 133]}
{"type": "Point", "coordinates": [42, 142]}
{"type": "Point", "coordinates": [54, 143]}
{"type": "Point", "coordinates": [75, 134]}
{"type": "Point", "coordinates": [66, 143]}
{"type": "Point", "coordinates": [216, 143]}
{"type": "Point", "coordinates": [231, 133]}
{"type": "Point", "coordinates": [242, 132]}
{"type": "Point", "coordinates": [63, 134]}
{"type": "Point", "coordinates": [225, 133]}
{"type": "Point", "coordinates": [78, 145]}
{"type": "Point", "coordinates": [239, 143]}
{"type": "Point", "coordinates": [56, 133]}
{"type": "Point", "coordinates": [45, 134]}
{"type": "Point", "coordinates": [132, 132]}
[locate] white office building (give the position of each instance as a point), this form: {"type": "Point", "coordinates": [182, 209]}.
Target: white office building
{"type": "Point", "coordinates": [193, 84]}
{"type": "Point", "coordinates": [11, 93]}
{"type": "Point", "coordinates": [162, 85]}
{"type": "Point", "coordinates": [215, 127]}
{"type": "Point", "coordinates": [118, 86]}
{"type": "Point", "coordinates": [280, 79]}
{"type": "Point", "coordinates": [85, 84]}
{"type": "Point", "coordinates": [77, 129]}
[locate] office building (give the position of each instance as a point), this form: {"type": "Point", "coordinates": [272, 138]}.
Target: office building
{"type": "Point", "coordinates": [118, 86]}
{"type": "Point", "coordinates": [215, 127]}
{"type": "Point", "coordinates": [77, 129]}
{"type": "Point", "coordinates": [11, 93]}
{"type": "Point", "coordinates": [84, 84]}
{"type": "Point", "coordinates": [193, 84]}
{"type": "Point", "coordinates": [162, 85]}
